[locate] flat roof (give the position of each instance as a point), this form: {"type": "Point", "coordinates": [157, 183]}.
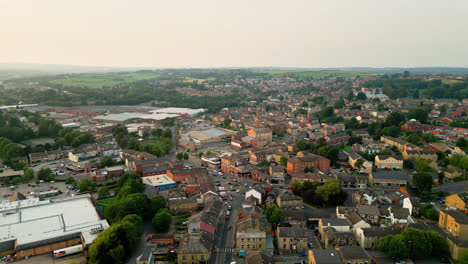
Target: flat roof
{"type": "Point", "coordinates": [158, 180]}
{"type": "Point", "coordinates": [33, 221]}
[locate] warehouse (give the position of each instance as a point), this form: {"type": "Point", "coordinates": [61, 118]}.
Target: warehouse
{"type": "Point", "coordinates": [160, 182]}
{"type": "Point", "coordinates": [35, 227]}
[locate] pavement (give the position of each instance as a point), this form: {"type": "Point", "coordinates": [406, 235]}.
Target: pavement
{"type": "Point", "coordinates": [452, 187]}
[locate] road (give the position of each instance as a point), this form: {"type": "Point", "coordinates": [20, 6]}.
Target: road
{"type": "Point", "coordinates": [452, 187]}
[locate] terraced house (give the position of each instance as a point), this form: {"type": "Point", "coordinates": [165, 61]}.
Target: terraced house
{"type": "Point", "coordinates": [388, 161]}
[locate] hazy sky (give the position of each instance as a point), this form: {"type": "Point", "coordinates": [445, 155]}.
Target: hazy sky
{"type": "Point", "coordinates": [239, 33]}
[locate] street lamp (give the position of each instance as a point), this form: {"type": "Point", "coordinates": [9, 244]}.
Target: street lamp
{"type": "Point", "coordinates": [409, 248]}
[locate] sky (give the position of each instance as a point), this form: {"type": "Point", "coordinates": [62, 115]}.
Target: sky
{"type": "Point", "coordinates": [240, 33]}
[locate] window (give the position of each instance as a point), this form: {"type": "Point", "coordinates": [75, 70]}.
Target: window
{"type": "Point", "coordinates": [259, 240]}
{"type": "Point", "coordinates": [284, 239]}
{"type": "Point", "coordinates": [183, 257]}
{"type": "Point", "coordinates": [248, 246]}
{"type": "Point", "coordinates": [203, 258]}
{"type": "Point", "coordinates": [193, 258]}
{"type": "Point", "coordinates": [248, 239]}
{"type": "Point", "coordinates": [253, 246]}
{"type": "Point", "coordinates": [242, 240]}
{"type": "Point", "coordinates": [284, 245]}
{"type": "Point", "coordinates": [242, 246]}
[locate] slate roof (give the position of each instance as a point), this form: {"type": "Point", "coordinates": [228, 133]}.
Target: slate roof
{"type": "Point", "coordinates": [389, 175]}
{"type": "Point", "coordinates": [334, 222]}
{"type": "Point", "coordinates": [292, 232]}
{"type": "Point", "coordinates": [327, 256]}
{"type": "Point", "coordinates": [368, 210]}
{"type": "Point", "coordinates": [460, 217]}
{"type": "Point", "coordinates": [354, 218]}
{"type": "Point", "coordinates": [400, 213]}
{"type": "Point", "coordinates": [381, 231]}
{"type": "Point", "coordinates": [354, 253]}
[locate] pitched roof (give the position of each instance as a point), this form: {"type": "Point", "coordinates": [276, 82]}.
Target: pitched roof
{"type": "Point", "coordinates": [459, 217]}
{"type": "Point", "coordinates": [292, 232]}
{"type": "Point", "coordinates": [327, 256]}
{"type": "Point", "coordinates": [400, 213]}
{"type": "Point", "coordinates": [353, 253]}
{"type": "Point", "coordinates": [391, 175]}
{"type": "Point", "coordinates": [334, 222]}
{"type": "Point", "coordinates": [354, 218]}
{"type": "Point", "coordinates": [381, 231]}
{"type": "Point", "coordinates": [368, 210]}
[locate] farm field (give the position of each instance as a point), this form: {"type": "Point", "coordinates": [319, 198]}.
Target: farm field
{"type": "Point", "coordinates": [97, 80]}
{"type": "Point", "coordinates": [188, 79]}
{"type": "Point", "coordinates": [330, 74]}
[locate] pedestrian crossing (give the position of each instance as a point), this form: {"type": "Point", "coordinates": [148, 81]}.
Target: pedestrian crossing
{"type": "Point", "coordinates": [225, 250]}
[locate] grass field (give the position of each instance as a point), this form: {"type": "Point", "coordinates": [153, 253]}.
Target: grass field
{"type": "Point", "coordinates": [188, 79]}
{"type": "Point", "coordinates": [330, 74]}
{"type": "Point", "coordinates": [451, 81]}
{"type": "Point", "coordinates": [97, 80]}
{"type": "Point", "coordinates": [105, 203]}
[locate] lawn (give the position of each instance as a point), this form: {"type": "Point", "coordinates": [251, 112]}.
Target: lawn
{"type": "Point", "coordinates": [97, 80]}
{"type": "Point", "coordinates": [451, 81]}
{"type": "Point", "coordinates": [105, 203]}
{"type": "Point", "coordinates": [330, 74]}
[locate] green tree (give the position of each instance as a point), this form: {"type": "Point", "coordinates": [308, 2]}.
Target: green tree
{"type": "Point", "coordinates": [43, 174]}
{"type": "Point", "coordinates": [428, 211]}
{"type": "Point", "coordinates": [421, 165]}
{"type": "Point", "coordinates": [359, 163]}
{"type": "Point", "coordinates": [84, 185]}
{"type": "Point", "coordinates": [162, 220]}
{"type": "Point", "coordinates": [28, 175]}
{"type": "Point", "coordinates": [70, 181]}
{"type": "Point", "coordinates": [157, 203]}
{"type": "Point", "coordinates": [361, 96]}
{"type": "Point", "coordinates": [330, 187]}
{"type": "Point", "coordinates": [423, 182]}
{"type": "Point", "coordinates": [180, 156]}
{"type": "Point", "coordinates": [106, 161]}
{"type": "Point", "coordinates": [186, 156]}
{"type": "Point", "coordinates": [274, 215]}
{"type": "Point", "coordinates": [167, 133]}
{"type": "Point", "coordinates": [227, 122]}
{"type": "Point", "coordinates": [283, 161]}
{"type": "Point", "coordinates": [103, 193]}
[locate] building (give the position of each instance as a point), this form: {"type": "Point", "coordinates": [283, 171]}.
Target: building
{"type": "Point", "coordinates": [423, 154]}
{"type": "Point", "coordinates": [292, 239]}
{"type": "Point", "coordinates": [455, 222]}
{"type": "Point", "coordinates": [288, 200]}
{"type": "Point", "coordinates": [324, 256]}
{"type": "Point", "coordinates": [458, 201]}
{"type": "Point", "coordinates": [338, 224]}
{"type": "Point", "coordinates": [354, 255]}
{"type": "Point", "coordinates": [35, 227]}
{"type": "Point", "coordinates": [186, 205]}
{"type": "Point", "coordinates": [356, 221]}
{"type": "Point", "coordinates": [160, 182]}
{"type": "Point", "coordinates": [305, 160]}
{"type": "Point", "coordinates": [332, 238]}
{"type": "Point", "coordinates": [369, 213]}
{"type": "Point", "coordinates": [262, 136]}
{"type": "Point", "coordinates": [388, 178]}
{"type": "Point", "coordinates": [195, 248]}
{"type": "Point", "coordinates": [277, 174]}
{"type": "Point", "coordinates": [370, 237]}
{"type": "Point", "coordinates": [399, 215]}
{"type": "Point", "coordinates": [413, 204]}
{"type": "Point", "coordinates": [366, 166]}
{"type": "Point", "coordinates": [250, 231]}
{"type": "Point", "coordinates": [388, 161]}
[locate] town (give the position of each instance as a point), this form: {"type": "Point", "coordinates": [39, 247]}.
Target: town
{"type": "Point", "coordinates": [300, 170]}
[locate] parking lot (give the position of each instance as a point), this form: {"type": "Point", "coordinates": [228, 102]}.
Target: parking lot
{"type": "Point", "coordinates": [35, 189]}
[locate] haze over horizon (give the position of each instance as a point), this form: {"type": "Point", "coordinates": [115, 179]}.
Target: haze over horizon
{"type": "Point", "coordinates": [209, 33]}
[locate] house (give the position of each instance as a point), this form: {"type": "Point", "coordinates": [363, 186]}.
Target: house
{"type": "Point", "coordinates": [353, 157]}
{"type": "Point", "coordinates": [195, 248]}
{"type": "Point", "coordinates": [332, 238]}
{"type": "Point", "coordinates": [340, 225]}
{"type": "Point", "coordinates": [307, 160]}
{"type": "Point", "coordinates": [412, 204]}
{"type": "Point", "coordinates": [399, 215]}
{"type": "Point", "coordinates": [250, 231]}
{"type": "Point", "coordinates": [370, 237]}
{"type": "Point", "coordinates": [388, 178]}
{"type": "Point", "coordinates": [288, 200]}
{"type": "Point", "coordinates": [343, 212]}
{"type": "Point", "coordinates": [277, 174]}
{"type": "Point", "coordinates": [356, 221]}
{"type": "Point", "coordinates": [458, 201]}
{"type": "Point", "coordinates": [388, 161]}
{"type": "Point", "coordinates": [338, 138]}
{"type": "Point", "coordinates": [256, 157]}
{"type": "Point", "coordinates": [354, 255]}
{"type": "Point", "coordinates": [370, 213]}
{"type": "Point", "coordinates": [324, 256]}
{"type": "Point", "coordinates": [451, 173]}
{"type": "Point", "coordinates": [423, 154]}
{"type": "Point", "coordinates": [351, 181]}
{"type": "Point", "coordinates": [262, 136]}
{"type": "Point", "coordinates": [292, 239]}
{"type": "Point", "coordinates": [455, 222]}
{"type": "Point", "coordinates": [257, 192]}
{"type": "Point", "coordinates": [295, 218]}
{"type": "Point", "coordinates": [186, 205]}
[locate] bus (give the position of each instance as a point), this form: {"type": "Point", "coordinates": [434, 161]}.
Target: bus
{"type": "Point", "coordinates": [67, 251]}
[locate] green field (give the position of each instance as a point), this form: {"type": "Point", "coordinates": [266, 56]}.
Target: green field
{"type": "Point", "coordinates": [330, 74]}
{"type": "Point", "coordinates": [451, 81]}
{"type": "Point", "coordinates": [188, 79]}
{"type": "Point", "coordinates": [97, 80]}
{"type": "Point", "coordinates": [105, 203]}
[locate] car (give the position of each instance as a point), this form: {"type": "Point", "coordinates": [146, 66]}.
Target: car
{"type": "Point", "coordinates": [218, 184]}
{"type": "Point", "coordinates": [237, 190]}
{"type": "Point", "coordinates": [217, 181]}
{"type": "Point", "coordinates": [302, 255]}
{"type": "Point", "coordinates": [289, 188]}
{"type": "Point", "coordinates": [310, 245]}
{"type": "Point", "coordinates": [232, 177]}
{"type": "Point", "coordinates": [224, 177]}
{"type": "Point", "coordinates": [227, 217]}
{"type": "Point", "coordinates": [273, 234]}
{"type": "Point", "coordinates": [229, 227]}
{"type": "Point", "coordinates": [214, 174]}
{"type": "Point", "coordinates": [245, 184]}
{"type": "Point", "coordinates": [230, 183]}
{"type": "Point", "coordinates": [444, 260]}
{"type": "Point", "coordinates": [229, 207]}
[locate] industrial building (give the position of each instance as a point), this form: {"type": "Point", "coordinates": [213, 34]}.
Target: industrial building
{"type": "Point", "coordinates": [30, 226]}
{"type": "Point", "coordinates": [160, 182]}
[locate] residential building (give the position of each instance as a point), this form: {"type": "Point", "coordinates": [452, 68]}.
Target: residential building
{"type": "Point", "coordinates": [307, 160]}
{"type": "Point", "coordinates": [370, 213]}
{"type": "Point", "coordinates": [261, 136]}
{"type": "Point", "coordinates": [388, 161]}
{"type": "Point", "coordinates": [412, 204]}
{"type": "Point", "coordinates": [324, 256]}
{"type": "Point", "coordinates": [388, 178]}
{"type": "Point", "coordinates": [195, 248]}
{"type": "Point", "coordinates": [370, 237]}
{"type": "Point", "coordinates": [354, 255]}
{"type": "Point", "coordinates": [332, 238]}
{"type": "Point", "coordinates": [292, 239]}
{"type": "Point", "coordinates": [458, 201]}
{"type": "Point", "coordinates": [288, 200]}
{"type": "Point", "coordinates": [455, 222]}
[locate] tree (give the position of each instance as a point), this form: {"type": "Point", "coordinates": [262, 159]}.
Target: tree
{"type": "Point", "coordinates": [162, 220]}
{"type": "Point", "coordinates": [406, 74]}
{"type": "Point", "coordinates": [180, 156]}
{"type": "Point", "coordinates": [283, 161]}
{"type": "Point", "coordinates": [358, 164]}
{"type": "Point", "coordinates": [361, 96]}
{"type": "Point", "coordinates": [395, 119]}
{"type": "Point", "coordinates": [339, 104]}
{"type": "Point", "coordinates": [443, 109]}
{"type": "Point", "coordinates": [423, 182]}
{"type": "Point", "coordinates": [70, 181]}
{"type": "Point", "coordinates": [331, 186]}
{"type": "Point", "coordinates": [103, 193]}
{"type": "Point", "coordinates": [274, 215]}
{"type": "Point", "coordinates": [84, 185]}
{"type": "Point", "coordinates": [428, 211]}
{"type": "Point", "coordinates": [43, 174]}
{"type": "Point", "coordinates": [136, 203]}
{"type": "Point", "coordinates": [167, 133]}
{"type": "Point", "coordinates": [106, 161]}
{"type": "Point", "coordinates": [386, 152]}
{"type": "Point", "coordinates": [28, 175]}
{"type": "Point", "coordinates": [227, 122]}
{"type": "Point", "coordinates": [421, 165]}
{"type": "Point", "coordinates": [157, 203]}
{"type": "Point", "coordinates": [186, 156]}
